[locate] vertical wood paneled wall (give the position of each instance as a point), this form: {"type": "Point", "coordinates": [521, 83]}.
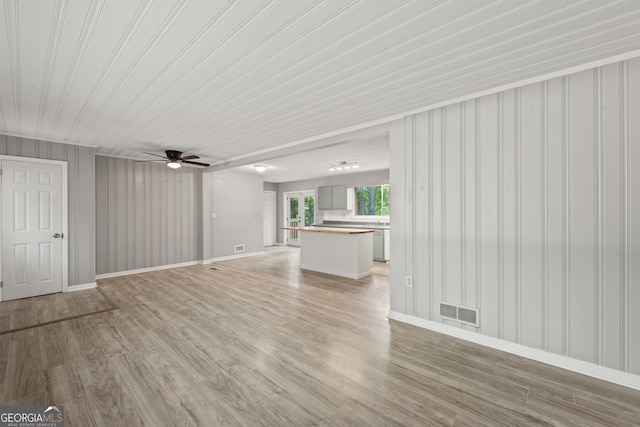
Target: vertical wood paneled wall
{"type": "Point", "coordinates": [526, 204]}
{"type": "Point", "coordinates": [81, 178]}
{"type": "Point", "coordinates": [147, 215]}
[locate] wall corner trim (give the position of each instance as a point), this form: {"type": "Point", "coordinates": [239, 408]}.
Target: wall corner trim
{"type": "Point", "coordinates": [147, 269]}
{"type": "Point", "coordinates": [81, 287]}
{"type": "Point", "coordinates": [590, 369]}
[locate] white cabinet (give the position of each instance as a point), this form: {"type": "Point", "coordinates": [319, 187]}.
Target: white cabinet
{"type": "Point", "coordinates": [350, 198]}
{"type": "Point", "coordinates": [332, 197]}
{"type": "Point", "coordinates": [343, 254]}
{"type": "Point", "coordinates": [378, 245]}
{"type": "Point", "coordinates": [387, 245]}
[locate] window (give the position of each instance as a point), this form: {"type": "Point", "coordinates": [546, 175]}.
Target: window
{"type": "Point", "coordinates": [309, 210]}
{"type": "Point", "coordinates": [373, 200]}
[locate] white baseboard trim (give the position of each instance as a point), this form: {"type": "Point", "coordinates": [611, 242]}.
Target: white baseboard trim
{"type": "Point", "coordinates": [80, 287]}
{"type": "Point", "coordinates": [597, 371]}
{"type": "Point", "coordinates": [333, 273]}
{"type": "Point", "coordinates": [147, 269]}
{"type": "Point", "coordinates": [224, 258]}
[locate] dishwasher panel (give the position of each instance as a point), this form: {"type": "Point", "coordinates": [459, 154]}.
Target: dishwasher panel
{"type": "Point", "coordinates": [378, 245]}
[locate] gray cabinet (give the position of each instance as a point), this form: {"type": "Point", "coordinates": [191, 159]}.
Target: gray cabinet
{"type": "Point", "coordinates": [339, 197]}
{"type": "Point", "coordinates": [325, 198]}
{"type": "Point", "coordinates": [332, 197]}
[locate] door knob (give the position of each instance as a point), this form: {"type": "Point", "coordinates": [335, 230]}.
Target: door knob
{"type": "Point", "coordinates": [57, 236]}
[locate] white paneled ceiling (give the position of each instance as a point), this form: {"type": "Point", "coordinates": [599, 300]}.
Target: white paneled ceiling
{"type": "Point", "coordinates": [227, 78]}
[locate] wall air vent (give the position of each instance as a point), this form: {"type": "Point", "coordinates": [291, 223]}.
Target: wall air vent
{"type": "Point", "coordinates": [460, 313]}
{"type": "Point", "coordinates": [450, 311]}
{"type": "Point", "coordinates": [238, 249]}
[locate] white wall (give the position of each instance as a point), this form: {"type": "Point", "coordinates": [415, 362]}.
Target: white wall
{"type": "Point", "coordinates": [526, 204]}
{"type": "Point", "coordinates": [270, 186]}
{"type": "Point", "coordinates": [236, 200]}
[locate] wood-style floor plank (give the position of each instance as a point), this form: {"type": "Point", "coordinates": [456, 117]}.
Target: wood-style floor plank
{"type": "Point", "coordinates": [17, 315]}
{"type": "Point", "coordinates": [260, 342]}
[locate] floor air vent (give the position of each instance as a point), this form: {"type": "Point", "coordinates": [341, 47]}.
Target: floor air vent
{"type": "Point", "coordinates": [213, 269]}
{"type": "Point", "coordinates": [238, 248]}
{"type": "Point", "coordinates": [462, 314]}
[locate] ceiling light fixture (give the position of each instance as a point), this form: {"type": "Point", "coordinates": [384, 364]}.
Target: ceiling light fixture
{"type": "Point", "coordinates": [343, 165]}
{"type": "Point", "coordinates": [174, 164]}
{"type": "Point", "coordinates": [260, 168]}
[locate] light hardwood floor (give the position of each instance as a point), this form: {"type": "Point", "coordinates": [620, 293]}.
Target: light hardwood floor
{"type": "Point", "coordinates": [26, 313]}
{"type": "Point", "coordinates": [259, 342]}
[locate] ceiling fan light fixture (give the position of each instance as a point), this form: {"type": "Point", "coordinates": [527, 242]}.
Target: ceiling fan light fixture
{"type": "Point", "coordinates": [260, 168]}
{"type": "Point", "coordinates": [176, 159]}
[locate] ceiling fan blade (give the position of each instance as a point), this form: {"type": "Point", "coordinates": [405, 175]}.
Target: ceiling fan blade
{"type": "Point", "coordinates": [190, 157]}
{"type": "Point", "coordinates": [145, 161]}
{"type": "Point", "coordinates": [151, 154]}
{"type": "Point", "coordinates": [195, 163]}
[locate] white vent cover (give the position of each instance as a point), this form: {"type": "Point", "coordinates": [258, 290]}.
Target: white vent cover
{"type": "Point", "coordinates": [238, 248]}
{"type": "Point", "coordinates": [460, 313]}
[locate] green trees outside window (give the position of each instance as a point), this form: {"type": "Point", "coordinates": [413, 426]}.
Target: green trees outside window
{"type": "Point", "coordinates": [293, 207]}
{"type": "Point", "coordinates": [373, 200]}
{"type": "Point", "coordinates": [308, 210]}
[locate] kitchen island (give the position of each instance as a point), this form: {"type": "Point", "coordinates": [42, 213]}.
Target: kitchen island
{"type": "Point", "coordinates": [346, 252]}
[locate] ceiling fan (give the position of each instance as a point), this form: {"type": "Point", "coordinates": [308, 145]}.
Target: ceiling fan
{"type": "Point", "coordinates": [175, 159]}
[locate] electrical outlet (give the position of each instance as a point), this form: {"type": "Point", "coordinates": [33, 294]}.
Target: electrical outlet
{"type": "Point", "coordinates": [408, 281]}
{"type": "Point", "coordinates": [213, 215]}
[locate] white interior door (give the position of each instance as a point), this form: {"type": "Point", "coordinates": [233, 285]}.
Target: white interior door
{"type": "Point", "coordinates": [31, 228]}
{"type": "Point", "coordinates": [269, 218]}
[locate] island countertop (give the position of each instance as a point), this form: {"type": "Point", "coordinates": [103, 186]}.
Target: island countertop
{"type": "Point", "coordinates": [331, 230]}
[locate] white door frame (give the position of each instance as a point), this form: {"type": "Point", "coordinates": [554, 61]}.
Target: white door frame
{"type": "Point", "coordinates": [65, 212]}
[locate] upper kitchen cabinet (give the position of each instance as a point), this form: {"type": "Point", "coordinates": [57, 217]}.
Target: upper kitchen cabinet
{"type": "Point", "coordinates": [332, 197]}
{"type": "Point", "coordinates": [324, 198]}
{"type": "Point", "coordinates": [339, 197]}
